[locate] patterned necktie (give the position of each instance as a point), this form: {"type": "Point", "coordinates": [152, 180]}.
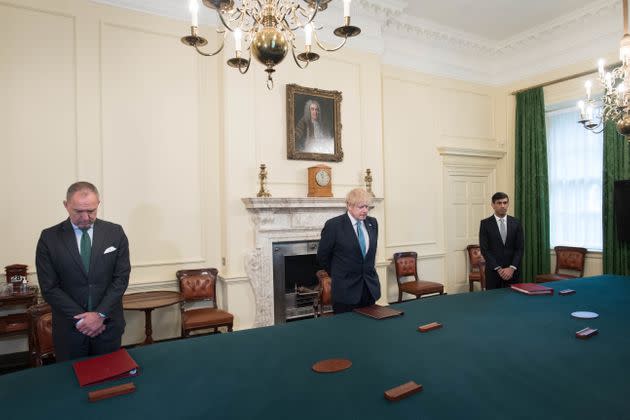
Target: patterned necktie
{"type": "Point", "coordinates": [86, 249]}
{"type": "Point", "coordinates": [502, 230]}
{"type": "Point", "coordinates": [361, 237]}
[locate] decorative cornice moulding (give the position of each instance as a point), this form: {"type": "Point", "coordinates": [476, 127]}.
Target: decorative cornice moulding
{"type": "Point", "coordinates": [383, 9]}
{"type": "Point", "coordinates": [606, 8]}
{"type": "Point", "coordinates": [426, 30]}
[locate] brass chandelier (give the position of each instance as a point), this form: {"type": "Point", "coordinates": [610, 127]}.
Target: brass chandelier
{"type": "Point", "coordinates": [267, 29]}
{"type": "Point", "coordinates": [613, 105]}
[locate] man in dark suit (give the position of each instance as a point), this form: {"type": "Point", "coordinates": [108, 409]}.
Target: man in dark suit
{"type": "Point", "coordinates": [501, 241]}
{"type": "Point", "coordinates": [83, 271]}
{"type": "Point", "coordinates": [347, 251]}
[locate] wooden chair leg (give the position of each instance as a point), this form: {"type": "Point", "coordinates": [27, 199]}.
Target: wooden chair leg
{"type": "Point", "coordinates": [399, 296]}
{"type": "Point", "coordinates": [471, 286]}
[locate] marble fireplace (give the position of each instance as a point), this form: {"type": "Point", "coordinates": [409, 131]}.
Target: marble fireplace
{"type": "Point", "coordinates": [278, 221]}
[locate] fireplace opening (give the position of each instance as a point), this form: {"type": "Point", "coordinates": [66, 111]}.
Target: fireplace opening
{"type": "Point", "coordinates": [299, 272]}
{"type": "Point", "coordinates": [294, 279]}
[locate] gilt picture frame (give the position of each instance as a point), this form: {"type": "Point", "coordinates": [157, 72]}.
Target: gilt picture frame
{"type": "Point", "coordinates": [313, 124]}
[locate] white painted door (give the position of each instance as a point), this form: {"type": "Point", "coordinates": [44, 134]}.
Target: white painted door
{"type": "Point", "coordinates": [467, 197]}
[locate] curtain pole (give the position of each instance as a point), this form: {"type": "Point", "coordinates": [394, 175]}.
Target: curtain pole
{"type": "Point", "coordinates": [563, 79]}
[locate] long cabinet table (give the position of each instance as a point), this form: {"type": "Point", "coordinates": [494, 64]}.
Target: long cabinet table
{"type": "Point", "coordinates": [500, 355]}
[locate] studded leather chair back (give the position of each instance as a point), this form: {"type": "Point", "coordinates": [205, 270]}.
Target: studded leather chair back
{"type": "Point", "coordinates": [477, 267]}
{"type": "Point", "coordinates": [406, 265]}
{"type": "Point", "coordinates": [40, 334]}
{"type": "Point", "coordinates": [197, 284]}
{"type": "Point", "coordinates": [570, 258]}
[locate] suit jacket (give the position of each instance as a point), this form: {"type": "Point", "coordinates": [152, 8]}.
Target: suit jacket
{"type": "Point", "coordinates": [340, 255]}
{"type": "Point", "coordinates": [66, 286]}
{"type": "Point", "coordinates": [494, 251]}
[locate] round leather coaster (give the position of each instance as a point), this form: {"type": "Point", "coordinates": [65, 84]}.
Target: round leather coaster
{"type": "Point", "coordinates": [332, 365]}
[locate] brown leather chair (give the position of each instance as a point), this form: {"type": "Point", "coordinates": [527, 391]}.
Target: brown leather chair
{"type": "Point", "coordinates": [197, 286]}
{"type": "Point", "coordinates": [324, 297]}
{"type": "Point", "coordinates": [406, 264]}
{"type": "Point", "coordinates": [567, 258]}
{"type": "Point", "coordinates": [40, 341]}
{"type": "Point", "coordinates": [477, 270]}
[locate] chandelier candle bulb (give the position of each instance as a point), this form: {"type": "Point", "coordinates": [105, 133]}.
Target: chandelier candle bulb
{"type": "Point", "coordinates": [346, 8]}
{"type": "Point", "coordinates": [193, 6]}
{"type": "Point", "coordinates": [308, 35]}
{"type": "Point", "coordinates": [238, 35]}
{"type": "Point", "coordinates": [621, 88]}
{"type": "Point", "coordinates": [581, 107]}
{"type": "Point", "coordinates": [588, 85]}
{"type": "Point", "coordinates": [600, 67]}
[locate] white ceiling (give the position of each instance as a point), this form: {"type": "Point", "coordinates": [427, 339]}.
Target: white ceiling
{"type": "Point", "coordinates": [495, 20]}
{"type": "Point", "coordinates": [493, 42]}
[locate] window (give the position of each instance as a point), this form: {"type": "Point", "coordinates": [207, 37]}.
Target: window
{"type": "Point", "coordinates": [574, 158]}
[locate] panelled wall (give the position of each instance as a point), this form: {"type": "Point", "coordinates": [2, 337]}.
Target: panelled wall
{"type": "Point", "coordinates": [174, 141]}
{"type": "Point", "coordinates": [110, 96]}
{"type": "Point", "coordinates": [444, 144]}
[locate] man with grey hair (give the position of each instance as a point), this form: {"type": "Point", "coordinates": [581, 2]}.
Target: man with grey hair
{"type": "Point", "coordinates": [312, 134]}
{"type": "Point", "coordinates": [347, 251]}
{"type": "Point", "coordinates": [83, 271]}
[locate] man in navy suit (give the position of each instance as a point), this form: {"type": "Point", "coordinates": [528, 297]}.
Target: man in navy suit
{"type": "Point", "coordinates": [83, 271]}
{"type": "Point", "coordinates": [501, 241]}
{"type": "Point", "coordinates": [347, 251]}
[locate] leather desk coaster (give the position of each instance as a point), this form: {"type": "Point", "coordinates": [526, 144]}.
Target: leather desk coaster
{"type": "Point", "coordinates": [331, 365]}
{"type": "Point", "coordinates": [587, 332]}
{"type": "Point", "coordinates": [402, 391]}
{"type": "Point", "coordinates": [429, 327]}
{"type": "Point", "coordinates": [378, 311]}
{"type": "Point", "coordinates": [112, 391]}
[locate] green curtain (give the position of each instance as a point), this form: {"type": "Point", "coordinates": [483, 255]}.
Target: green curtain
{"type": "Point", "coordinates": [531, 201]}
{"type": "Point", "coordinates": [616, 167]}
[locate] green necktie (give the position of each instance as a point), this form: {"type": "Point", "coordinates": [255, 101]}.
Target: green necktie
{"type": "Point", "coordinates": [86, 249]}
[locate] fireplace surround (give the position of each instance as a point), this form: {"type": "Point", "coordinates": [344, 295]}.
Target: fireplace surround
{"type": "Point", "coordinates": [282, 220]}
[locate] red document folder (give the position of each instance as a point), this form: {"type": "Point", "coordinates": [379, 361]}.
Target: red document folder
{"type": "Point", "coordinates": [532, 289]}
{"type": "Point", "coordinates": [114, 365]}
